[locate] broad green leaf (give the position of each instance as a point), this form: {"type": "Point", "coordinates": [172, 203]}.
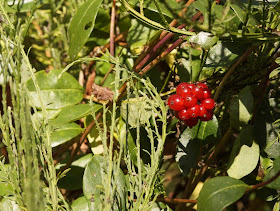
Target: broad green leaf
{"type": "Point", "coordinates": [246, 149]}
{"type": "Point", "coordinates": [94, 178]}
{"type": "Point", "coordinates": [94, 138]}
{"type": "Point", "coordinates": [80, 204]}
{"type": "Point", "coordinates": [55, 92]}
{"type": "Point", "coordinates": [73, 179]}
{"type": "Point", "coordinates": [275, 169]}
{"type": "Point", "coordinates": [223, 54]}
{"type": "Point", "coordinates": [138, 36]}
{"type": "Point", "coordinates": [240, 11]}
{"type": "Point", "coordinates": [65, 133]}
{"type": "Point", "coordinates": [241, 108]}
{"type": "Point", "coordinates": [81, 26]}
{"type": "Point", "coordinates": [134, 110]}
{"type": "Point", "coordinates": [73, 113]}
{"type": "Point", "coordinates": [266, 131]}
{"type": "Point", "coordinates": [169, 8]}
{"type": "Point", "coordinates": [204, 39]}
{"type": "Point", "coordinates": [125, 135]}
{"type": "Point", "coordinates": [191, 140]}
{"type": "Point", "coordinates": [219, 192]}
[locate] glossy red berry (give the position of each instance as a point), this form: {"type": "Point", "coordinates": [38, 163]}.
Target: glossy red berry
{"type": "Point", "coordinates": [197, 92]}
{"type": "Point", "coordinates": [191, 122]}
{"type": "Point", "coordinates": [176, 102]}
{"type": "Point", "coordinates": [183, 114]}
{"type": "Point", "coordinates": [207, 116]}
{"type": "Point", "coordinates": [183, 91]}
{"type": "Point", "coordinates": [202, 85]}
{"type": "Point", "coordinates": [194, 111]}
{"type": "Point", "coordinates": [191, 86]}
{"type": "Point", "coordinates": [202, 111]}
{"type": "Point", "coordinates": [190, 101]}
{"type": "Point", "coordinates": [206, 93]}
{"type": "Point", "coordinates": [208, 103]}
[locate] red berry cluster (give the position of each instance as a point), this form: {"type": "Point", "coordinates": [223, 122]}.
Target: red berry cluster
{"type": "Point", "coordinates": [192, 102]}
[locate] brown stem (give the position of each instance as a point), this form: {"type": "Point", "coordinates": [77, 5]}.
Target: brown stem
{"type": "Point", "coordinates": [262, 184]}
{"type": "Point", "coordinates": [230, 71]}
{"type": "Point", "coordinates": [155, 49]}
{"type": "Point", "coordinates": [175, 201]}
{"type": "Point", "coordinates": [161, 56]}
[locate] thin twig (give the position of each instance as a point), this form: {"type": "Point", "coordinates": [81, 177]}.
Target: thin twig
{"type": "Point", "coordinates": [262, 184]}
{"type": "Point", "coordinates": [176, 201]}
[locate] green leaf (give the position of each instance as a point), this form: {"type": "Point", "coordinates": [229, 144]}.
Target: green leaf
{"type": "Point", "coordinates": [170, 8]}
{"type": "Point", "coordinates": [81, 26]}
{"type": "Point", "coordinates": [79, 204]}
{"type": "Point", "coordinates": [204, 39]}
{"type": "Point", "coordinates": [73, 113]}
{"type": "Point", "coordinates": [223, 54]}
{"type": "Point", "coordinates": [275, 169]}
{"type": "Point", "coordinates": [244, 149]}
{"type": "Point", "coordinates": [126, 135]}
{"type": "Point", "coordinates": [73, 179]}
{"type": "Point", "coordinates": [55, 92]}
{"type": "Point", "coordinates": [94, 138]}
{"type": "Point", "coordinates": [65, 133]}
{"type": "Point", "coordinates": [93, 184]}
{"type": "Point", "coordinates": [219, 192]}
{"type": "Point", "coordinates": [241, 108]}
{"type": "Point", "coordinates": [136, 109]}
{"type": "Point", "coordinates": [138, 36]}
{"type": "Point", "coordinates": [190, 142]}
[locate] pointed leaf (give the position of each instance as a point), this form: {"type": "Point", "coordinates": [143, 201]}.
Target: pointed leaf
{"type": "Point", "coordinates": [275, 169]}
{"type": "Point", "coordinates": [65, 133]}
{"type": "Point", "coordinates": [73, 113]}
{"type": "Point", "coordinates": [79, 204]}
{"type": "Point", "coordinates": [82, 25]}
{"type": "Point", "coordinates": [245, 148]}
{"type": "Point", "coordinates": [190, 142]}
{"type": "Point", "coordinates": [56, 92]}
{"type": "Point", "coordinates": [241, 108]}
{"type": "Point", "coordinates": [219, 192]}
{"type": "Point", "coordinates": [93, 184]}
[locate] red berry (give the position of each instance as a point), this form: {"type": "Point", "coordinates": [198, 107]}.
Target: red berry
{"type": "Point", "coordinates": [197, 92]}
{"type": "Point", "coordinates": [202, 111]}
{"type": "Point", "coordinates": [190, 101]}
{"type": "Point", "coordinates": [176, 102]}
{"type": "Point", "coordinates": [183, 90]}
{"type": "Point", "coordinates": [191, 122]}
{"type": "Point", "coordinates": [208, 103]}
{"type": "Point", "coordinates": [207, 116]}
{"type": "Point", "coordinates": [183, 114]}
{"type": "Point", "coordinates": [206, 93]}
{"type": "Point", "coordinates": [194, 111]}
{"type": "Point", "coordinates": [190, 85]}
{"type": "Point", "coordinates": [202, 85]}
